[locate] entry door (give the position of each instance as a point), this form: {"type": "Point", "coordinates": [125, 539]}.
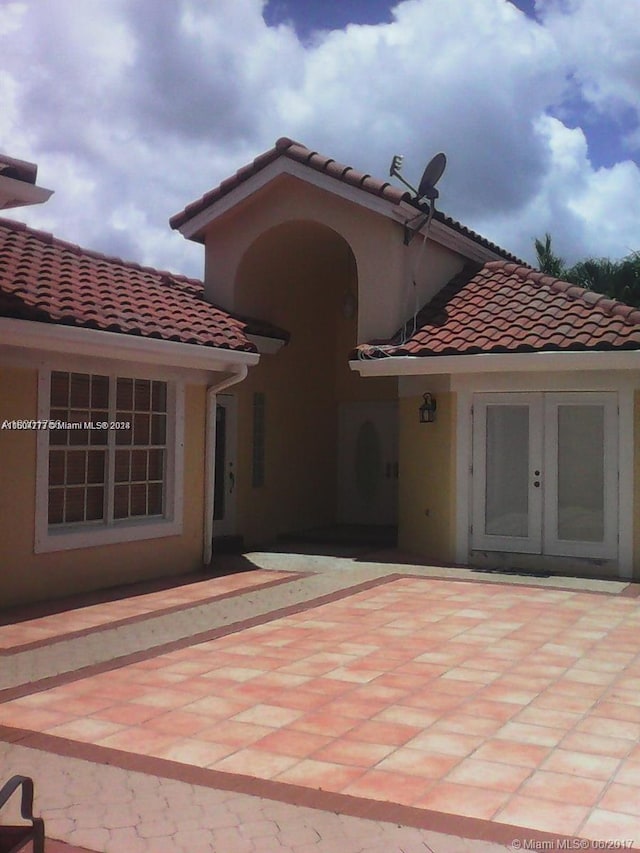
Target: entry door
{"type": "Point", "coordinates": [368, 463]}
{"type": "Point", "coordinates": [224, 502]}
{"type": "Point", "coordinates": [545, 474]}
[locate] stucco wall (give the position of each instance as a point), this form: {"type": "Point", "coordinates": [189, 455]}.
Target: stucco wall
{"type": "Point", "coordinates": [385, 268]}
{"type": "Point", "coordinates": [25, 576]}
{"type": "Point", "coordinates": [427, 479]}
{"type": "Point", "coordinates": [297, 276]}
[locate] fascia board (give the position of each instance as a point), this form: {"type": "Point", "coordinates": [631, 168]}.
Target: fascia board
{"type": "Point", "coordinates": [448, 237]}
{"type": "Point", "coordinates": [71, 340]}
{"type": "Point", "coordinates": [282, 166]}
{"type": "Point", "coordinates": [14, 193]}
{"type": "Point", "coordinates": [497, 363]}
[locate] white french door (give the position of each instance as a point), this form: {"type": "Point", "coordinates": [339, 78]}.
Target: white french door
{"type": "Point", "coordinates": [545, 474]}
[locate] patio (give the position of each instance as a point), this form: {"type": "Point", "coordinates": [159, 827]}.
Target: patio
{"type": "Point", "coordinates": [338, 702]}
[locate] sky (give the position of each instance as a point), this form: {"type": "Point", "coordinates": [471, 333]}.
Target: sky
{"type": "Point", "coordinates": [134, 108]}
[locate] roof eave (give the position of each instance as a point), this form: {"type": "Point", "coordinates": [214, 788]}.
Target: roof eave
{"type": "Point", "coordinates": [509, 362]}
{"type": "Point", "coordinates": [194, 227]}
{"type": "Point", "coordinates": [73, 340]}
{"type": "Point", "coordinates": [15, 193]}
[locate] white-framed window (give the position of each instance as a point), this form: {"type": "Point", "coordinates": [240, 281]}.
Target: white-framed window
{"type": "Point", "coordinates": [109, 461]}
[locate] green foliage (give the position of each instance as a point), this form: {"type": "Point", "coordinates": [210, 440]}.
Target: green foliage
{"type": "Point", "coordinates": [617, 279]}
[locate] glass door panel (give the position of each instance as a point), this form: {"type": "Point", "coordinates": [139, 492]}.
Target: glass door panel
{"type": "Point", "coordinates": [580, 500]}
{"type": "Point", "coordinates": [507, 471]}
{"type": "Point", "coordinates": [507, 445]}
{"type": "Point", "coordinates": [581, 465]}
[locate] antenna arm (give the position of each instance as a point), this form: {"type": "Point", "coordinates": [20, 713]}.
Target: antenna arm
{"type": "Point", "coordinates": [406, 183]}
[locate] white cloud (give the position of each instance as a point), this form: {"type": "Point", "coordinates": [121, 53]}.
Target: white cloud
{"type": "Point", "coordinates": [133, 108]}
{"type": "Point", "coordinates": [599, 41]}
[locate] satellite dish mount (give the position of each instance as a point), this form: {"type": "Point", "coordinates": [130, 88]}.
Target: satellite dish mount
{"type": "Point", "coordinates": [425, 196]}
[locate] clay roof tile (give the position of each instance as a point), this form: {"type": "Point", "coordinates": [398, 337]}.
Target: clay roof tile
{"type": "Point", "coordinates": [505, 307]}
{"type": "Point", "coordinates": [75, 286]}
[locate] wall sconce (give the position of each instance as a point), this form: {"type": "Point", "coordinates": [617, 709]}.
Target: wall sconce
{"type": "Point", "coordinates": [427, 410]}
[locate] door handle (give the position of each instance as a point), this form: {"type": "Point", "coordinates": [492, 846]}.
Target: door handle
{"type": "Point", "coordinates": [232, 481]}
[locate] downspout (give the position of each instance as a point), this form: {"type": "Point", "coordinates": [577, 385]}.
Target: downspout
{"type": "Point", "coordinates": [210, 456]}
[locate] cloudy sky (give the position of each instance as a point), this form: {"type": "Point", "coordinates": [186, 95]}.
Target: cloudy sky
{"type": "Point", "coordinates": [133, 108]}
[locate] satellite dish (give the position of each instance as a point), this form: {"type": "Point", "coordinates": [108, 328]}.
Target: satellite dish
{"type": "Point", "coordinates": [430, 177]}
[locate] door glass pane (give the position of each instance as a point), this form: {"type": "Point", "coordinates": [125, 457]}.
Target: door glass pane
{"type": "Point", "coordinates": [507, 485]}
{"type": "Point", "coordinates": [581, 473]}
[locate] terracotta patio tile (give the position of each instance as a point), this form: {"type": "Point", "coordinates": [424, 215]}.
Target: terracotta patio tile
{"type": "Point", "coordinates": [599, 744]}
{"type": "Point", "coordinates": [447, 743]}
{"type": "Point", "coordinates": [319, 774]}
{"type": "Point", "coordinates": [389, 787]}
{"type": "Point", "coordinates": [548, 717]}
{"type": "Point", "coordinates": [179, 723]}
{"type": "Point", "coordinates": [489, 774]}
{"type": "Point", "coordinates": [465, 800]}
{"type": "Point", "coordinates": [216, 707]}
{"type": "Point", "coordinates": [534, 812]}
{"type": "Point", "coordinates": [268, 715]}
{"type": "Point", "coordinates": [466, 724]}
{"type": "Point", "coordinates": [563, 787]}
{"type": "Point", "coordinates": [164, 698]}
{"type": "Point", "coordinates": [609, 727]}
{"type": "Point", "coordinates": [433, 701]}
{"type": "Point", "coordinates": [324, 722]}
{"type": "Point", "coordinates": [255, 762]}
{"type": "Point", "coordinates": [372, 731]}
{"type": "Point", "coordinates": [492, 709]}
{"type": "Point", "coordinates": [419, 763]}
{"type": "Point", "coordinates": [354, 753]}
{"type": "Point", "coordinates": [607, 826]}
{"type": "Point", "coordinates": [128, 713]}
{"type": "Point", "coordinates": [528, 733]}
{"type": "Point", "coordinates": [86, 730]}
{"type": "Point", "coordinates": [291, 742]}
{"type": "Point", "coordinates": [563, 702]}
{"type": "Point", "coordinates": [510, 752]}
{"type": "Point", "coordinates": [581, 764]}
{"type": "Point", "coordinates": [194, 752]}
{"type": "Point", "coordinates": [14, 714]}
{"type": "Point", "coordinates": [138, 740]}
{"type": "Point", "coordinates": [617, 711]}
{"type": "Point", "coordinates": [629, 774]}
{"type": "Point", "coordinates": [406, 716]}
{"type": "Point", "coordinates": [621, 798]}
{"type": "Point", "coordinates": [234, 733]}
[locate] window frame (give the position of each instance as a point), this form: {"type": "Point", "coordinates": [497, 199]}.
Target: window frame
{"type": "Point", "coordinates": [86, 534]}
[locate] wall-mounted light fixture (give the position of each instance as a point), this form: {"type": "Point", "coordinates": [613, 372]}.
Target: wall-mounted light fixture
{"type": "Point", "coordinates": [427, 410]}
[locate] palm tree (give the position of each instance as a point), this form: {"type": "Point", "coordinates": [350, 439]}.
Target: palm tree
{"type": "Point", "coordinates": [617, 279]}
{"type": "Point", "coordinates": [548, 262]}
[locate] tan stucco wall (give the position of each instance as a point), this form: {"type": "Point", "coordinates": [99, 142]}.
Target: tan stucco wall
{"type": "Point", "coordinates": [385, 268]}
{"type": "Point", "coordinates": [25, 576]}
{"type": "Point", "coordinates": [296, 276]}
{"type": "Point", "coordinates": [427, 479]}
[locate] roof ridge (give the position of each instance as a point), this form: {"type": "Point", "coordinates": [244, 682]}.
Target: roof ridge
{"type": "Point", "coordinates": [606, 304]}
{"type": "Point", "coordinates": [50, 239]}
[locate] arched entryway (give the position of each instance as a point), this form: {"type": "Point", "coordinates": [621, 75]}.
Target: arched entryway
{"type": "Point", "coordinates": [316, 442]}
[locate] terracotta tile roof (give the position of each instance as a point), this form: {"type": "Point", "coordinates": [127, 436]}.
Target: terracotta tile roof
{"type": "Point", "coordinates": [48, 280]}
{"type": "Point", "coordinates": [504, 307]}
{"type": "Point", "coordinates": [286, 147]}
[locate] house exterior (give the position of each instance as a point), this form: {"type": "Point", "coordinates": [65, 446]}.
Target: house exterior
{"type": "Point", "coordinates": [218, 425]}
